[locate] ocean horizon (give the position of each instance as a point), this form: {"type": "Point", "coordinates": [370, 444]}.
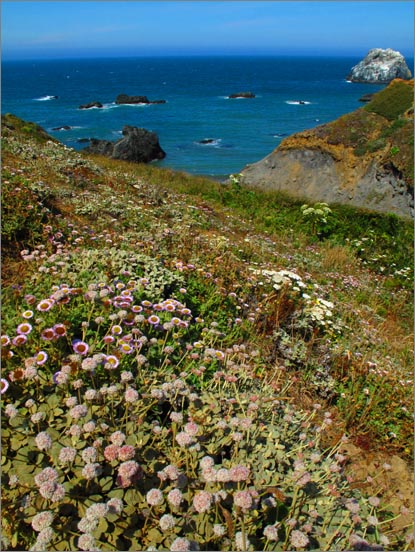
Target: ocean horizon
{"type": "Point", "coordinates": [201, 130]}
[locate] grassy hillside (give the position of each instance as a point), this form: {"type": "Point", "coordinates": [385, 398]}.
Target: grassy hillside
{"type": "Point", "coordinates": [187, 364]}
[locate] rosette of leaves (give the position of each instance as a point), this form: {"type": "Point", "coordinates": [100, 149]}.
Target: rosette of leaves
{"type": "Point", "coordinates": [285, 474]}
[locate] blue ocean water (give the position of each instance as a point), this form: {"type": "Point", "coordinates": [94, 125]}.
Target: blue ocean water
{"type": "Point", "coordinates": [197, 107]}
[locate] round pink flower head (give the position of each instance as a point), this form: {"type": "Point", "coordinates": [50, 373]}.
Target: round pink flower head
{"type": "Point", "coordinates": [299, 539]}
{"type": "Point", "coordinates": [43, 441]}
{"type": "Point", "coordinates": [243, 499]}
{"type": "Point", "coordinates": [202, 501]}
{"type": "Point", "coordinates": [175, 497]}
{"type": "Point", "coordinates": [154, 497]}
{"type": "Point", "coordinates": [180, 545]}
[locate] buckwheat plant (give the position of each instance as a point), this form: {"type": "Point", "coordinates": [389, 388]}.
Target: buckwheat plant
{"type": "Point", "coordinates": [111, 442]}
{"type": "Point", "coordinates": [129, 422]}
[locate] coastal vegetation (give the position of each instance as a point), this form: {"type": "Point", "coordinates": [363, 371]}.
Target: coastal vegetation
{"type": "Point", "coordinates": [193, 365]}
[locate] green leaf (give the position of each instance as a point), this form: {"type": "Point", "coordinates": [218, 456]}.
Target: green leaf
{"type": "Point", "coordinates": [106, 483]}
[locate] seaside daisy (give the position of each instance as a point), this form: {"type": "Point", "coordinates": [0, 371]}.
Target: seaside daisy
{"type": "Point", "coordinates": [27, 314]}
{"type": "Point", "coordinates": [111, 362]}
{"type": "Point", "coordinates": [59, 329]}
{"type": "Point", "coordinates": [48, 334]}
{"type": "Point", "coordinates": [5, 340]}
{"type": "Point", "coordinates": [80, 347]}
{"type": "Point", "coordinates": [153, 319]}
{"type": "Point", "coordinates": [19, 340]}
{"type": "Point", "coordinates": [45, 305]}
{"type": "Point", "coordinates": [24, 328]}
{"type": "Point", "coordinates": [4, 385]}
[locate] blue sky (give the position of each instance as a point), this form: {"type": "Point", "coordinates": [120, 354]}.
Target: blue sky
{"type": "Point", "coordinates": [62, 29]}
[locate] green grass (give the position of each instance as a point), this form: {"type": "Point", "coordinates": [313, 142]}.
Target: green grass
{"type": "Point", "coordinates": [393, 101]}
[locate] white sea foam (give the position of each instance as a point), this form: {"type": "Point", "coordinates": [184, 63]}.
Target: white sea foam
{"type": "Point", "coordinates": [297, 102]}
{"type": "Point", "coordinates": [214, 143]}
{"type": "Point", "coordinates": [108, 106]}
{"type": "Point", "coordinates": [45, 98]}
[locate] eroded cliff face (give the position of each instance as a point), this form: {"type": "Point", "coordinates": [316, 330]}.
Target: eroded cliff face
{"type": "Point", "coordinates": [363, 159]}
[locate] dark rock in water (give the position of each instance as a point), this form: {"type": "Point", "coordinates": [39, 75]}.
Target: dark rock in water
{"type": "Point", "coordinates": [83, 140]}
{"type": "Point", "coordinates": [207, 141]}
{"type": "Point", "coordinates": [90, 105]}
{"type": "Point", "coordinates": [53, 97]}
{"type": "Point", "coordinates": [242, 95]}
{"type": "Point", "coordinates": [125, 99]}
{"type": "Point", "coordinates": [100, 147]}
{"type": "Point", "coordinates": [65, 127]}
{"type": "Point", "coordinates": [366, 98]}
{"type": "Point", "coordinates": [138, 145]}
{"type": "Point", "coordinates": [380, 67]}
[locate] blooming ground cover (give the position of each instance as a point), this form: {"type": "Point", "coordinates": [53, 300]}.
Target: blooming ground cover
{"type": "Point", "coordinates": [176, 377]}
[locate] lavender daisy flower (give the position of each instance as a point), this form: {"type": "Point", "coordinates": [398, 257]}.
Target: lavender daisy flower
{"type": "Point", "coordinates": [111, 362]}
{"type": "Point", "coordinates": [80, 347]}
{"type": "Point", "coordinates": [19, 340]}
{"type": "Point", "coordinates": [4, 385]}
{"type": "Point", "coordinates": [45, 305]}
{"type": "Point", "coordinates": [25, 328]}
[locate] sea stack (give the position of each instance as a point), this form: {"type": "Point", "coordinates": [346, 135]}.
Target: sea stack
{"type": "Point", "coordinates": [138, 145]}
{"type": "Point", "coordinates": [380, 67]}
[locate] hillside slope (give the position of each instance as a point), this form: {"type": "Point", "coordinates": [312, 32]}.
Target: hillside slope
{"type": "Point", "coordinates": [190, 365]}
{"type": "Point", "coordinates": [364, 158]}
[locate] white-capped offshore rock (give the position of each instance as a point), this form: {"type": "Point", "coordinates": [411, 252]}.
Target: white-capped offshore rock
{"type": "Point", "coordinates": [380, 67]}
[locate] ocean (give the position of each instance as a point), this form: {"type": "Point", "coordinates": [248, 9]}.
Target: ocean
{"type": "Point", "coordinates": [201, 130]}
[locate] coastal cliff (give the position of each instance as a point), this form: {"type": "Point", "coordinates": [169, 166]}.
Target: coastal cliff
{"type": "Point", "coordinates": [364, 158]}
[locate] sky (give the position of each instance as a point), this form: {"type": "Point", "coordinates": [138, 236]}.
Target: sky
{"type": "Point", "coordinates": [70, 29]}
